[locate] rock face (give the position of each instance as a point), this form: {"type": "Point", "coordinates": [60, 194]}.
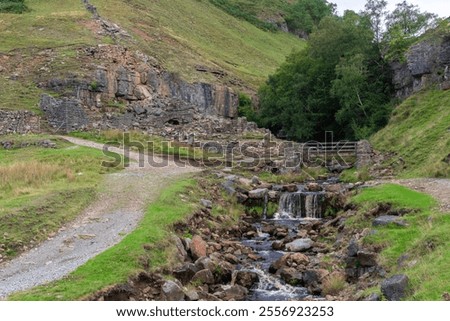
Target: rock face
{"type": "Point", "coordinates": [128, 90]}
{"type": "Point", "coordinates": [395, 288]}
{"type": "Point", "coordinates": [18, 122]}
{"type": "Point", "coordinates": [427, 62]}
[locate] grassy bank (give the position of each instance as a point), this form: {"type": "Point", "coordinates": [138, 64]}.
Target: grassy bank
{"type": "Point", "coordinates": [149, 245]}
{"type": "Point", "coordinates": [423, 244]}
{"type": "Point", "coordinates": [418, 133]}
{"type": "Point", "coordinates": [43, 188]}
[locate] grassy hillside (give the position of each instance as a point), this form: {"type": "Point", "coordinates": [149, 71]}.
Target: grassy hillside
{"type": "Point", "coordinates": [423, 243]}
{"type": "Point", "coordinates": [419, 133]}
{"type": "Point", "coordinates": [185, 33]}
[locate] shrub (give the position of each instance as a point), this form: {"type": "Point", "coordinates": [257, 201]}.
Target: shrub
{"type": "Point", "coordinates": [12, 6]}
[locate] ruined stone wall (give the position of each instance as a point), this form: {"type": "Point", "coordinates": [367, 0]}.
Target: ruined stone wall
{"type": "Point", "coordinates": [18, 122]}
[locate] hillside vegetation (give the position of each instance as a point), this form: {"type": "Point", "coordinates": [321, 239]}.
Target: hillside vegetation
{"type": "Point", "coordinates": [419, 133]}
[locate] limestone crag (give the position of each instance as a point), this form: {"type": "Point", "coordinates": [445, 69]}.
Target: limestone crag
{"type": "Point", "coordinates": [427, 63]}
{"type": "Point", "coordinates": [128, 90]}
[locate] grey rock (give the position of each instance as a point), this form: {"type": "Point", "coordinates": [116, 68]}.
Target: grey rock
{"type": "Point", "coordinates": [256, 180]}
{"type": "Point", "coordinates": [388, 219]}
{"type": "Point", "coordinates": [352, 248]}
{"type": "Point", "coordinates": [206, 203]}
{"type": "Point", "coordinates": [395, 288]}
{"type": "Point", "coordinates": [367, 259]}
{"type": "Point", "coordinates": [192, 295]}
{"type": "Point", "coordinates": [259, 193]}
{"type": "Point", "coordinates": [171, 291]}
{"type": "Point", "coordinates": [204, 277]}
{"type": "Point", "coordinates": [186, 273]}
{"type": "Point", "coordinates": [228, 186]}
{"type": "Point", "coordinates": [300, 245]}
{"type": "Point", "coordinates": [245, 278]}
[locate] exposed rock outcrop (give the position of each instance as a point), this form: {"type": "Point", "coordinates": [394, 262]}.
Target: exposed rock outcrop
{"type": "Point", "coordinates": [427, 62]}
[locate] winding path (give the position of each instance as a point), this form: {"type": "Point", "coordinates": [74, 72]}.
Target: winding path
{"type": "Point", "coordinates": [115, 213]}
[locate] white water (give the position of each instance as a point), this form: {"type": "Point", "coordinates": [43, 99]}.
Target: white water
{"type": "Point", "coordinates": [300, 205]}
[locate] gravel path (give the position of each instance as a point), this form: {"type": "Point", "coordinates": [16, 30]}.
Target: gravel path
{"type": "Point", "coordinates": [115, 213]}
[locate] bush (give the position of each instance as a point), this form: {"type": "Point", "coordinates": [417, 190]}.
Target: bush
{"type": "Point", "coordinates": [333, 284]}
{"type": "Point", "coordinates": [12, 6]}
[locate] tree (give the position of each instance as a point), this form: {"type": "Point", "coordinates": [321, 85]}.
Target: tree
{"type": "Point", "coordinates": [304, 15]}
{"type": "Point", "coordinates": [376, 11]}
{"type": "Point", "coordinates": [404, 25]}
{"type": "Point", "coordinates": [336, 84]}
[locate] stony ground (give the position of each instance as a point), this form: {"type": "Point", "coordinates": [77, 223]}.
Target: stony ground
{"type": "Point", "coordinates": [115, 213]}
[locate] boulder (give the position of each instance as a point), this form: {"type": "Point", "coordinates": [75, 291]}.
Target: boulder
{"type": "Point", "coordinates": [373, 297]}
{"type": "Point", "coordinates": [234, 293]}
{"type": "Point", "coordinates": [290, 188]}
{"type": "Point", "coordinates": [289, 260]}
{"type": "Point", "coordinates": [206, 203]}
{"type": "Point", "coordinates": [367, 259]}
{"type": "Point", "coordinates": [313, 187]}
{"type": "Point", "coordinates": [388, 219]}
{"type": "Point", "coordinates": [259, 193]}
{"type": "Point", "coordinates": [171, 291]}
{"type": "Point", "coordinates": [353, 248]}
{"type": "Point", "coordinates": [395, 288]}
{"type": "Point", "coordinates": [291, 276]}
{"type": "Point", "coordinates": [192, 295]}
{"type": "Point", "coordinates": [205, 263]}
{"type": "Point", "coordinates": [278, 245]}
{"type": "Point", "coordinates": [300, 245]}
{"type": "Point", "coordinates": [256, 180]}
{"type": "Point", "coordinates": [181, 251]}
{"type": "Point", "coordinates": [245, 278]}
{"type": "Point", "coordinates": [198, 247]}
{"type": "Point", "coordinates": [185, 273]}
{"type": "Point", "coordinates": [228, 186]}
{"type": "Point", "coordinates": [203, 277]}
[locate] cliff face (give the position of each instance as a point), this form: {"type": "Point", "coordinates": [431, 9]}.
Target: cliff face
{"type": "Point", "coordinates": [128, 90]}
{"type": "Point", "coordinates": [427, 63]}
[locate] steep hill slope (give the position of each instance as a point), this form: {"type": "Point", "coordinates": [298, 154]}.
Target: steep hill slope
{"type": "Point", "coordinates": [193, 38]}
{"type": "Point", "coordinates": [419, 135]}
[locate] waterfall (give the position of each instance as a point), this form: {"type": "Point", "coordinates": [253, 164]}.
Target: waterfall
{"type": "Point", "coordinates": [300, 205]}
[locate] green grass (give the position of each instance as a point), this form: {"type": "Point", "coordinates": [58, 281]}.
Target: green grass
{"type": "Point", "coordinates": [425, 240]}
{"type": "Point", "coordinates": [12, 6]}
{"type": "Point", "coordinates": [158, 145]}
{"type": "Point", "coordinates": [125, 259]}
{"type": "Point", "coordinates": [185, 33]}
{"type": "Point", "coordinates": [44, 188]}
{"type": "Point", "coordinates": [419, 133]}
{"type": "Point", "coordinates": [353, 175]}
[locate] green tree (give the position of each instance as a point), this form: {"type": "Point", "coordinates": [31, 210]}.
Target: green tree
{"type": "Point", "coordinates": [376, 11]}
{"type": "Point", "coordinates": [304, 15]}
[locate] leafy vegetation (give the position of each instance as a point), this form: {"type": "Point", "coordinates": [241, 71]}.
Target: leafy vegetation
{"type": "Point", "coordinates": [418, 135]}
{"type": "Point", "coordinates": [12, 6]}
{"type": "Point", "coordinates": [342, 81]}
{"type": "Point", "coordinates": [424, 242]}
{"type": "Point", "coordinates": [45, 189]}
{"type": "Point", "coordinates": [117, 264]}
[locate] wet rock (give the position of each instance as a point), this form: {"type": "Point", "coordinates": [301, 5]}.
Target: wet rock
{"type": "Point", "coordinates": [367, 259]}
{"type": "Point", "coordinates": [245, 278]}
{"type": "Point", "coordinates": [395, 288]}
{"type": "Point", "coordinates": [291, 276]}
{"type": "Point", "coordinates": [278, 245]}
{"type": "Point", "coordinates": [171, 291]}
{"type": "Point", "coordinates": [185, 273]}
{"type": "Point", "coordinates": [204, 277]}
{"type": "Point", "coordinates": [389, 219]}
{"type": "Point", "coordinates": [206, 203]}
{"type": "Point", "coordinates": [300, 245]}
{"type": "Point", "coordinates": [313, 187]}
{"type": "Point", "coordinates": [290, 188]}
{"type": "Point", "coordinates": [223, 272]}
{"type": "Point", "coordinates": [198, 247]}
{"type": "Point", "coordinates": [289, 260]}
{"type": "Point", "coordinates": [274, 195]}
{"type": "Point", "coordinates": [259, 193]}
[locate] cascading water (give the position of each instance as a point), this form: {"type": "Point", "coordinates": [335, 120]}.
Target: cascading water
{"type": "Point", "coordinates": [300, 205]}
